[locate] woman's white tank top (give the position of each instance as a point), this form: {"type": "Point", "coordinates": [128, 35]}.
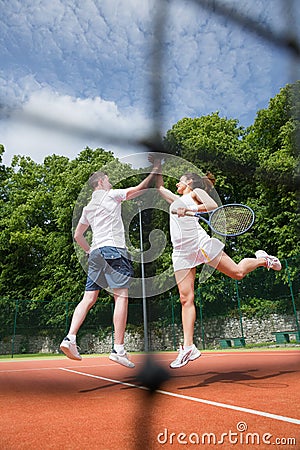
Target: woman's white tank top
{"type": "Point", "coordinates": [187, 235]}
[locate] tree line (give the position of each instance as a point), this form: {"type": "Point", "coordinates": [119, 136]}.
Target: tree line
{"type": "Point", "coordinates": [258, 166]}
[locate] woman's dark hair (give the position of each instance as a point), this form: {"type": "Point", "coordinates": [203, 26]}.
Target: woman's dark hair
{"type": "Point", "coordinates": [95, 177]}
{"type": "Point", "coordinates": [205, 182]}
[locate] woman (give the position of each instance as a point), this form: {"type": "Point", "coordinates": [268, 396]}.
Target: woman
{"type": "Point", "coordinates": [192, 246]}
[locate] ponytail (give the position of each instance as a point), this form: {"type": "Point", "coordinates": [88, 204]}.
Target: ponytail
{"type": "Point", "coordinates": [205, 182]}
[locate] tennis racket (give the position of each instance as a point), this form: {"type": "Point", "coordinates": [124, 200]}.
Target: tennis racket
{"type": "Point", "coordinates": [229, 220]}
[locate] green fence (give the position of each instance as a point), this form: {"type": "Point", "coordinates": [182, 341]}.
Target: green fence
{"type": "Point", "coordinates": [261, 294]}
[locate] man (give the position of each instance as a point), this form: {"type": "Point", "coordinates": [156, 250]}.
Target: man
{"type": "Point", "coordinates": [109, 262]}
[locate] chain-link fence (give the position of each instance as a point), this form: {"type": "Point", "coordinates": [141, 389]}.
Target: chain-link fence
{"type": "Point", "coordinates": [250, 311]}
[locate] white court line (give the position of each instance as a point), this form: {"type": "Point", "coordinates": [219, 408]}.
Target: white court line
{"type": "Point", "coordinates": [27, 370]}
{"type": "Point", "coordinates": [194, 399]}
{"type": "Point", "coordinates": [37, 369]}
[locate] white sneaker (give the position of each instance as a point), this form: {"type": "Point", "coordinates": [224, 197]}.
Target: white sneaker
{"type": "Point", "coordinates": [184, 356]}
{"type": "Point", "coordinates": [272, 261]}
{"type": "Point", "coordinates": [121, 359]}
{"type": "Point", "coordinates": [70, 350]}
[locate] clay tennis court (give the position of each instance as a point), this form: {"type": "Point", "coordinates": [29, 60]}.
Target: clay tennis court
{"type": "Point", "coordinates": [237, 399]}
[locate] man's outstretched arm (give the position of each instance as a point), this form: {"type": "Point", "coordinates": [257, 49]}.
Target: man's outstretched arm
{"type": "Point", "coordinates": [135, 191]}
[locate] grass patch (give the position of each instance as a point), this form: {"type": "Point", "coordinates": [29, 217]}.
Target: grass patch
{"type": "Point", "coordinates": [31, 355]}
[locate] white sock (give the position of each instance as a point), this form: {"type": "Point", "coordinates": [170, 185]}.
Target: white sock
{"type": "Point", "coordinates": [187, 347]}
{"type": "Point", "coordinates": [72, 338]}
{"type": "Point", "coordinates": [119, 348]}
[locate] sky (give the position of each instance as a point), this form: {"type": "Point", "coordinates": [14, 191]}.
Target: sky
{"type": "Point", "coordinates": [85, 67]}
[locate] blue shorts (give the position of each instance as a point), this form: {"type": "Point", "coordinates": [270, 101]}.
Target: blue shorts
{"type": "Point", "coordinates": [109, 267]}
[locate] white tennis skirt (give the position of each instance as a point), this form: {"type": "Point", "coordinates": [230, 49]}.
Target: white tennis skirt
{"type": "Point", "coordinates": [206, 253]}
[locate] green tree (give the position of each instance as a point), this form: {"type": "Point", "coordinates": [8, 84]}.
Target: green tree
{"type": "Point", "coordinates": [42, 205]}
{"type": "Point", "coordinates": [36, 246]}
{"type": "Point", "coordinates": [213, 144]}
{"type": "Point", "coordinates": [273, 142]}
{"type": "Point", "coordinates": [258, 166]}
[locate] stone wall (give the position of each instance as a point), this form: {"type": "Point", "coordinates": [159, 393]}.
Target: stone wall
{"type": "Point", "coordinates": [256, 330]}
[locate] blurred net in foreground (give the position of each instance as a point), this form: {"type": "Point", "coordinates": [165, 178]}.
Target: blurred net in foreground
{"type": "Point", "coordinates": [21, 316]}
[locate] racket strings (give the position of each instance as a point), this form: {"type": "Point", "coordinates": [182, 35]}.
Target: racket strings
{"type": "Point", "coordinates": [232, 220]}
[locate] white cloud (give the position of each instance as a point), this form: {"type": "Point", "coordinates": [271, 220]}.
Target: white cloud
{"type": "Point", "coordinates": [91, 61]}
{"type": "Point", "coordinates": [24, 132]}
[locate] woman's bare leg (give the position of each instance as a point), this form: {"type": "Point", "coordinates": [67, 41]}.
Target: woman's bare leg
{"type": "Point", "coordinates": [185, 281]}
{"type": "Point", "coordinates": [236, 271]}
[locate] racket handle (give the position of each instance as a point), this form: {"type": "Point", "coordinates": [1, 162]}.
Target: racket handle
{"type": "Point", "coordinates": [187, 213]}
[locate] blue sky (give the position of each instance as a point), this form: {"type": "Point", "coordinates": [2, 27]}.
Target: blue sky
{"type": "Point", "coordinates": [88, 62]}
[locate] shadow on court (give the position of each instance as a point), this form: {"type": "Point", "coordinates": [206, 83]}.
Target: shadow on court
{"type": "Point", "coordinates": [238, 377]}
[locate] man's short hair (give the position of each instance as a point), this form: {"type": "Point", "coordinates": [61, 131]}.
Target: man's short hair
{"type": "Point", "coordinates": [95, 177]}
